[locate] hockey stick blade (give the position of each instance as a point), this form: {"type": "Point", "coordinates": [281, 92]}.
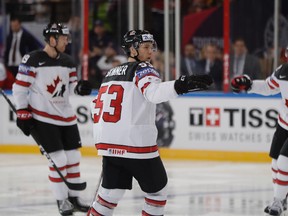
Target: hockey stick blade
{"type": "Point", "coordinates": [72, 186]}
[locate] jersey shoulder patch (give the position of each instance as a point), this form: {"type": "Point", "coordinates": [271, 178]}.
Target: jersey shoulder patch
{"type": "Point", "coordinates": [146, 69]}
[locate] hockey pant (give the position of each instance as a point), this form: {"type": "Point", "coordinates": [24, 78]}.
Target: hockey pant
{"type": "Point", "coordinates": [68, 163]}
{"type": "Point", "coordinates": [107, 200]}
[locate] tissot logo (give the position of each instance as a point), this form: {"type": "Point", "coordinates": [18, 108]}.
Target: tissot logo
{"type": "Point", "coordinates": [212, 117]}
{"type": "Point", "coordinates": [233, 117]}
{"type": "Point", "coordinates": [209, 116]}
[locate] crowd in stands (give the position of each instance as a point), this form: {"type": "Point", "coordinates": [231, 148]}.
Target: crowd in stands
{"type": "Point", "coordinates": [105, 51]}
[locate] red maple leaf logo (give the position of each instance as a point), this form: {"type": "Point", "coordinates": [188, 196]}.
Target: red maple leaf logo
{"type": "Point", "coordinates": [51, 88]}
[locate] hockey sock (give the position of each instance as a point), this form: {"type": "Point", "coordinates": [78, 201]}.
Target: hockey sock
{"type": "Point", "coordinates": [155, 203]}
{"type": "Point", "coordinates": [59, 188]}
{"type": "Point", "coordinates": [274, 169]}
{"type": "Point", "coordinates": [73, 169]}
{"type": "Point", "coordinates": [281, 182]}
{"type": "Point", "coordinates": [107, 200]}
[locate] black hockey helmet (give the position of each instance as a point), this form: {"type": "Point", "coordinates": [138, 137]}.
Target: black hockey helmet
{"type": "Point", "coordinates": [135, 38]}
{"type": "Point", "coordinates": [55, 29]}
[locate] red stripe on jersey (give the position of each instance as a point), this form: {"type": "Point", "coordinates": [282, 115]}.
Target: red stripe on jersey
{"type": "Point", "coordinates": [156, 203]}
{"type": "Point", "coordinates": [22, 83]}
{"type": "Point", "coordinates": [131, 149]}
{"type": "Point", "coordinates": [270, 86]}
{"type": "Point", "coordinates": [274, 170]}
{"type": "Point", "coordinates": [73, 74]}
{"type": "Point", "coordinates": [60, 168]}
{"type": "Point", "coordinates": [72, 165]}
{"type": "Point", "coordinates": [282, 172]}
{"type": "Point", "coordinates": [54, 117]}
{"type": "Point", "coordinates": [137, 80]}
{"type": "Point", "coordinates": [275, 83]}
{"type": "Point", "coordinates": [146, 214]}
{"type": "Point", "coordinates": [144, 87]}
{"type": "Point", "coordinates": [103, 202]}
{"type": "Point", "coordinates": [280, 182]}
{"type": "Point", "coordinates": [56, 180]}
{"type": "Point", "coordinates": [93, 212]}
{"type": "Point", "coordinates": [282, 120]}
{"type": "Point", "coordinates": [274, 180]}
{"type": "Point", "coordinates": [73, 175]}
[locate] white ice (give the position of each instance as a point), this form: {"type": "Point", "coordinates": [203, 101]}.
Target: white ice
{"type": "Point", "coordinates": [196, 188]}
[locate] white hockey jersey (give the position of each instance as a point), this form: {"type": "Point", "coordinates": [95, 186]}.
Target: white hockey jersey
{"type": "Point", "coordinates": [274, 84]}
{"type": "Point", "coordinates": [43, 85]}
{"type": "Point", "coordinates": [124, 111]}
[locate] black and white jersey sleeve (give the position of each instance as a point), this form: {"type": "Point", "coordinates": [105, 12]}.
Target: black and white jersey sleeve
{"type": "Point", "coordinates": [148, 81]}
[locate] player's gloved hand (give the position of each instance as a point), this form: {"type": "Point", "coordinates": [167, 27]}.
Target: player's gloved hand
{"type": "Point", "coordinates": [241, 83]}
{"type": "Point", "coordinates": [192, 83]}
{"type": "Point", "coordinates": [24, 121]}
{"type": "Point", "coordinates": [83, 87]}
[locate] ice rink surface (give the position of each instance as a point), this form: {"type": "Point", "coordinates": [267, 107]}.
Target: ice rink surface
{"type": "Point", "coordinates": [196, 188]}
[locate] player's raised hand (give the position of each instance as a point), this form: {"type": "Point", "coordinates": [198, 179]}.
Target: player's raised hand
{"type": "Point", "coordinates": [192, 83]}
{"type": "Point", "coordinates": [241, 83]}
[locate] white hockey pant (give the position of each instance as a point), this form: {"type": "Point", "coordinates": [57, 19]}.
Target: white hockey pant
{"type": "Point", "coordinates": [155, 203]}
{"type": "Point", "coordinates": [106, 201]}
{"type": "Point", "coordinates": [68, 164]}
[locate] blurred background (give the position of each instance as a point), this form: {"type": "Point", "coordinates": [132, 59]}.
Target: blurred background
{"type": "Point", "coordinates": [188, 33]}
{"type": "Point", "coordinates": [223, 38]}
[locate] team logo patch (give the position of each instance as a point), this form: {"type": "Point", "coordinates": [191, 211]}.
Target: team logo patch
{"type": "Point", "coordinates": [145, 71]}
{"type": "Point", "coordinates": [57, 88]}
{"type": "Point", "coordinates": [24, 69]}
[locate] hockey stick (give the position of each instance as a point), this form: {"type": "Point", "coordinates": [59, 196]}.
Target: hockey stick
{"type": "Point", "coordinates": [72, 186]}
{"type": "Point", "coordinates": [96, 192]}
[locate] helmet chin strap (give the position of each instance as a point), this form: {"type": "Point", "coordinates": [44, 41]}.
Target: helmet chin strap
{"type": "Point", "coordinates": [57, 51]}
{"type": "Point", "coordinates": [136, 57]}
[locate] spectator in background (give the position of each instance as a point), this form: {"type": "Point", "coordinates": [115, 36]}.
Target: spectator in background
{"type": "Point", "coordinates": [188, 62]}
{"type": "Point", "coordinates": [6, 78]}
{"type": "Point", "coordinates": [99, 39]}
{"type": "Point", "coordinates": [18, 43]}
{"type": "Point", "coordinates": [241, 62]}
{"type": "Point", "coordinates": [105, 62]}
{"type": "Point", "coordinates": [211, 65]}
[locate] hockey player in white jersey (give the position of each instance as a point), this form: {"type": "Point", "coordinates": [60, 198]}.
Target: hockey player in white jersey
{"type": "Point", "coordinates": [274, 84]}
{"type": "Point", "coordinates": [124, 126]}
{"type": "Point", "coordinates": [41, 92]}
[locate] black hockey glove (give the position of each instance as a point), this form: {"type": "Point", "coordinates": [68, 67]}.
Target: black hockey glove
{"type": "Point", "coordinates": [192, 83]}
{"type": "Point", "coordinates": [241, 83]}
{"type": "Point", "coordinates": [83, 87]}
{"type": "Point", "coordinates": [24, 121]}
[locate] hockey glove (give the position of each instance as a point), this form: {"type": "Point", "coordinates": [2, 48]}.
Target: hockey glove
{"type": "Point", "coordinates": [241, 83]}
{"type": "Point", "coordinates": [24, 121]}
{"type": "Point", "coordinates": [192, 83]}
{"type": "Point", "coordinates": [83, 87]}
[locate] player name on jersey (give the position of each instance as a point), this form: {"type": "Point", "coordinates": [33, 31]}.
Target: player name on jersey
{"type": "Point", "coordinates": [117, 71]}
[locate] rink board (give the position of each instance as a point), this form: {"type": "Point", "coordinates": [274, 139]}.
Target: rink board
{"type": "Point", "coordinates": [210, 126]}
